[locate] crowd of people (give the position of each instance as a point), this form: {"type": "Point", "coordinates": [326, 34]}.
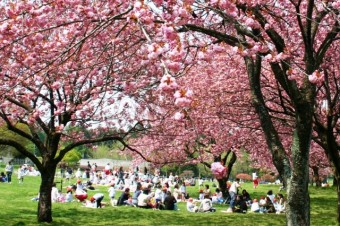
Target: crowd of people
{"type": "Point", "coordinates": [152, 191]}
{"type": "Point", "coordinates": [242, 202]}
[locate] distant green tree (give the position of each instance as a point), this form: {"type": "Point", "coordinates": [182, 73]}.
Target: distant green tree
{"type": "Point", "coordinates": [7, 134]}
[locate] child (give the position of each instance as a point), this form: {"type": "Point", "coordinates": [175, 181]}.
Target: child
{"type": "Point", "coordinates": [255, 207]}
{"type": "Point", "coordinates": [112, 193]}
{"type": "Point", "coordinates": [201, 194]}
{"type": "Point", "coordinates": [21, 174]}
{"type": "Point", "coordinates": [54, 193]}
{"type": "Point", "coordinates": [262, 204]}
{"type": "Point", "coordinates": [191, 207]}
{"type": "Point", "coordinates": [69, 197]}
{"type": "Point", "coordinates": [214, 198]}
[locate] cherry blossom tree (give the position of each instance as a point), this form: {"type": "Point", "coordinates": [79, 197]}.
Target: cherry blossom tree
{"type": "Point", "coordinates": [326, 116]}
{"type": "Point", "coordinates": [210, 126]}
{"type": "Point", "coordinates": [282, 43]}
{"type": "Point", "coordinates": [67, 64]}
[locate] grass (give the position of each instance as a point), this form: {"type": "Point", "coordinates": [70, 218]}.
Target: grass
{"type": "Point", "coordinates": [18, 209]}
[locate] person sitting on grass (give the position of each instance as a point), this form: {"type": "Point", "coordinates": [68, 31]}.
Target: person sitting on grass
{"type": "Point", "coordinates": [206, 205]}
{"type": "Point", "coordinates": [201, 194]}
{"type": "Point", "coordinates": [271, 195]}
{"type": "Point", "coordinates": [207, 191]}
{"type": "Point", "coordinates": [124, 197]}
{"type": "Point", "coordinates": [170, 202]}
{"type": "Point", "coordinates": [246, 197]}
{"type": "Point", "coordinates": [68, 197]}
{"type": "Point", "coordinates": [3, 177]}
{"type": "Point", "coordinates": [136, 194]}
{"type": "Point", "coordinates": [281, 204]}
{"type": "Point", "coordinates": [269, 206]}
{"type": "Point", "coordinates": [191, 206]}
{"type": "Point", "coordinates": [255, 207]}
{"type": "Point", "coordinates": [144, 199]}
{"type": "Point", "coordinates": [54, 193]}
{"type": "Point", "coordinates": [240, 205]}
{"type": "Point", "coordinates": [219, 195]}
{"type": "Point", "coordinates": [262, 203]}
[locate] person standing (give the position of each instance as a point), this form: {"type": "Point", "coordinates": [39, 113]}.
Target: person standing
{"type": "Point", "coordinates": [121, 174]}
{"type": "Point", "coordinates": [255, 182]}
{"type": "Point", "coordinates": [62, 167]}
{"type": "Point", "coordinates": [233, 192]}
{"type": "Point", "coordinates": [21, 173]}
{"type": "Point", "coordinates": [112, 193]}
{"type": "Point", "coordinates": [9, 171]}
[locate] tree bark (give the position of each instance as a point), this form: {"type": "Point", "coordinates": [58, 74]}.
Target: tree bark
{"type": "Point", "coordinates": [298, 200]}
{"type": "Point", "coordinates": [45, 202]}
{"type": "Point", "coordinates": [222, 183]}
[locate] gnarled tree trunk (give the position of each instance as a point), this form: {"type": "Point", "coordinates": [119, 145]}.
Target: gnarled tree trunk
{"type": "Point", "coordinates": [45, 202]}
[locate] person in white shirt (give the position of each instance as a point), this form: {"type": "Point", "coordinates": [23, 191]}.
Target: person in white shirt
{"type": "Point", "coordinates": [78, 173]}
{"type": "Point", "coordinates": [206, 205]}
{"type": "Point", "coordinates": [21, 173]}
{"type": "Point", "coordinates": [112, 193]}
{"type": "Point", "coordinates": [255, 207]}
{"type": "Point", "coordinates": [271, 195]}
{"type": "Point", "coordinates": [191, 207]}
{"type": "Point", "coordinates": [171, 178]}
{"type": "Point", "coordinates": [144, 199]}
{"type": "Point", "coordinates": [219, 196]}
{"type": "Point", "coordinates": [96, 200]}
{"type": "Point", "coordinates": [80, 194]}
{"type": "Point", "coordinates": [233, 192]}
{"type": "Point", "coordinates": [54, 193]}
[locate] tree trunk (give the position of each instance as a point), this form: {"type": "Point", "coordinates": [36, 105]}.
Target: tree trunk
{"type": "Point", "coordinates": [335, 181]}
{"type": "Point", "coordinates": [222, 183]}
{"type": "Point", "coordinates": [298, 200]}
{"type": "Point", "coordinates": [45, 202]}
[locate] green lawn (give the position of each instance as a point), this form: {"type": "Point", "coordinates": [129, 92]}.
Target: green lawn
{"type": "Point", "coordinates": [18, 209]}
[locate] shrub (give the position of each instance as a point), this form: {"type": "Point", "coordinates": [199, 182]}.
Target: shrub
{"type": "Point", "coordinates": [244, 177]}
{"type": "Point", "coordinates": [268, 178]}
